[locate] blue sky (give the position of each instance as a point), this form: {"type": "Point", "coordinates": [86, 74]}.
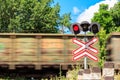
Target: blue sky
{"type": "Point", "coordinates": [69, 5]}
{"type": "Point", "coordinates": [82, 10]}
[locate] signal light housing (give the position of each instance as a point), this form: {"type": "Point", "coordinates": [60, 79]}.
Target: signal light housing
{"type": "Point", "coordinates": [75, 28]}
{"type": "Point", "coordinates": [85, 26]}
{"type": "Point", "coordinates": [94, 27]}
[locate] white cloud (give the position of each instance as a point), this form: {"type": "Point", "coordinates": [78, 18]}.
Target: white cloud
{"type": "Point", "coordinates": [76, 10]}
{"type": "Point", "coordinates": [89, 13]}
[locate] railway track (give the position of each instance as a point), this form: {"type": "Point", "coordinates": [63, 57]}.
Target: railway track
{"type": "Point", "coordinates": [29, 74]}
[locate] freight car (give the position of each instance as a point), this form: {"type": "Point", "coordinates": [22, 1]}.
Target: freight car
{"type": "Point", "coordinates": [37, 50]}
{"type": "Point", "coordinates": [113, 49]}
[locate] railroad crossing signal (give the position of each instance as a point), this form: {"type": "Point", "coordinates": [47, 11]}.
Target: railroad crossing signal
{"type": "Point", "coordinates": [85, 26]}
{"type": "Point", "coordinates": [75, 28]}
{"type": "Point", "coordinates": [94, 27]}
{"type": "Point", "coordinates": [85, 49]}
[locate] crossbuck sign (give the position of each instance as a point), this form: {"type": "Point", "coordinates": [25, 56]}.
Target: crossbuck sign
{"type": "Point", "coordinates": [85, 49]}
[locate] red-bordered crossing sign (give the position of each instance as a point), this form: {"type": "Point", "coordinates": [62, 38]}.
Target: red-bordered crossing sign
{"type": "Point", "coordinates": [85, 49]}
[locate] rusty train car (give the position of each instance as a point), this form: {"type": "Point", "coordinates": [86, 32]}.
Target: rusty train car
{"type": "Point", "coordinates": [48, 50]}
{"type": "Point", "coordinates": [113, 49]}
{"type": "Point", "coordinates": [37, 50]}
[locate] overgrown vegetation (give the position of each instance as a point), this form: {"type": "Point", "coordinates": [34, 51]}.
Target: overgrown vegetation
{"type": "Point", "coordinates": [109, 21]}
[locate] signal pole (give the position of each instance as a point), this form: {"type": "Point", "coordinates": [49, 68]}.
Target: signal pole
{"type": "Point", "coordinates": [85, 58]}
{"type": "Point", "coordinates": [85, 27]}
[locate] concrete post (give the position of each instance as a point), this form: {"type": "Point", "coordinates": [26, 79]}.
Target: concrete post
{"type": "Point", "coordinates": [87, 74]}
{"type": "Point", "coordinates": [80, 75]}
{"type": "Point", "coordinates": [96, 73]}
{"type": "Point", "coordinates": [108, 71]}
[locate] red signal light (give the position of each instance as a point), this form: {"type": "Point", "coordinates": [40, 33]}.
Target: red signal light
{"type": "Point", "coordinates": [75, 27]}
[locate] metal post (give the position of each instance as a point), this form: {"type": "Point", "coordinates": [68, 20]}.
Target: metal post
{"type": "Point", "coordinates": [76, 36]}
{"type": "Point", "coordinates": [85, 58]}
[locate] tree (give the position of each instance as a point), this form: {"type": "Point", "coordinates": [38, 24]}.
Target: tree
{"type": "Point", "coordinates": [109, 21]}
{"type": "Point", "coordinates": [65, 21]}
{"type": "Point", "coordinates": [104, 18]}
{"type": "Point", "coordinates": [35, 16]}
{"type": "Point", "coordinates": [115, 13]}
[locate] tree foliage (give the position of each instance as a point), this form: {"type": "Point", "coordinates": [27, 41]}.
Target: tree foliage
{"type": "Point", "coordinates": [115, 12]}
{"type": "Point", "coordinates": [104, 18]}
{"type": "Point", "coordinates": [29, 16]}
{"type": "Point", "coordinates": [65, 21]}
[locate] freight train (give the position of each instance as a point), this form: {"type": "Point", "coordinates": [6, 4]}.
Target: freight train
{"type": "Point", "coordinates": [38, 50]}
{"type": "Point", "coordinates": [113, 49]}
{"type": "Point", "coordinates": [44, 50]}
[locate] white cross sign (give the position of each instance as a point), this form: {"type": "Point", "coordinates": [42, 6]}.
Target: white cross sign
{"type": "Point", "coordinates": [85, 49]}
